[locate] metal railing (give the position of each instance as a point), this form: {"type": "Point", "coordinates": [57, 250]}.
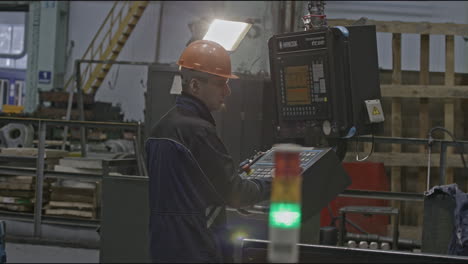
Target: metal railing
{"type": "Point", "coordinates": [79, 91]}
{"type": "Point", "coordinates": [442, 144]}
{"type": "Point", "coordinates": [102, 39]}
{"type": "Point", "coordinates": [40, 173]}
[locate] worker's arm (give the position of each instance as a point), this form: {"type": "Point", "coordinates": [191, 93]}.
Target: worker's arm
{"type": "Point", "coordinates": [219, 167]}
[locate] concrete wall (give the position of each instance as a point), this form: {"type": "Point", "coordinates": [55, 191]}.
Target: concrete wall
{"type": "Point", "coordinates": [127, 83]}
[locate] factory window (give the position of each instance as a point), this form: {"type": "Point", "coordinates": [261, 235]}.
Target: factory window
{"type": "Point", "coordinates": [12, 40]}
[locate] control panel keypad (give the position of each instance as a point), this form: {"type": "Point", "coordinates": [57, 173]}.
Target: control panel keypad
{"type": "Point", "coordinates": [261, 172]}
{"type": "Point", "coordinates": [265, 170]}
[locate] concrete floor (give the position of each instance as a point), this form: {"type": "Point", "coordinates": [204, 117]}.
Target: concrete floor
{"type": "Point", "coordinates": [26, 253]}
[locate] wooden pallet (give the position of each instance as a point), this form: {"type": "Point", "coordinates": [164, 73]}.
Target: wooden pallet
{"type": "Point", "coordinates": [17, 193]}
{"type": "Point", "coordinates": [451, 92]}
{"type": "Point", "coordinates": [73, 201]}
{"type": "Point", "coordinates": [24, 185]}
{"type": "Point", "coordinates": [51, 156]}
{"type": "Point", "coordinates": [49, 210]}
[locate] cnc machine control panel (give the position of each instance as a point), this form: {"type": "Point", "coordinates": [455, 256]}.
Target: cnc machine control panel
{"type": "Point", "coordinates": [323, 177]}
{"type": "Point", "coordinates": [263, 167]}
{"type": "Point", "coordinates": [302, 80]}
{"type": "Point", "coordinates": [322, 79]}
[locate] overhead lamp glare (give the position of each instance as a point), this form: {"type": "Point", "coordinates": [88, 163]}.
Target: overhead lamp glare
{"type": "Point", "coordinates": [228, 34]}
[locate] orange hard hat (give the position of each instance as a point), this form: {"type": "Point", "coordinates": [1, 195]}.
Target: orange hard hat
{"type": "Point", "coordinates": [207, 56]}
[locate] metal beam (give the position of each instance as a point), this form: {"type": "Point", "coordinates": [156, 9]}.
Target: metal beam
{"type": "Point", "coordinates": [414, 159]}
{"type": "Point", "coordinates": [416, 141]}
{"type": "Point", "coordinates": [74, 123]}
{"type": "Point", "coordinates": [255, 251]}
{"type": "Point", "coordinates": [397, 196]}
{"type": "Point", "coordinates": [117, 62]}
{"type": "Point", "coordinates": [409, 27]}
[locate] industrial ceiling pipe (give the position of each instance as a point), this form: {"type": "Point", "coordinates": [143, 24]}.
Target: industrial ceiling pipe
{"type": "Point", "coordinates": [287, 16]}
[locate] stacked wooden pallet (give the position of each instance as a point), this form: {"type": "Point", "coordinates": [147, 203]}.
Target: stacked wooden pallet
{"type": "Point", "coordinates": [51, 156]}
{"type": "Point", "coordinates": [72, 197]}
{"type": "Point", "coordinates": [17, 193]}
{"type": "Point", "coordinates": [73, 200]}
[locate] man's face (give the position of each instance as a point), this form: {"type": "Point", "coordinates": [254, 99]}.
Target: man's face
{"type": "Point", "coordinates": [212, 91]}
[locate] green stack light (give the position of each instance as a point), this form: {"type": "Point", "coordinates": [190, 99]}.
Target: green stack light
{"type": "Point", "coordinates": [285, 205]}
{"type": "Point", "coordinates": [285, 215]}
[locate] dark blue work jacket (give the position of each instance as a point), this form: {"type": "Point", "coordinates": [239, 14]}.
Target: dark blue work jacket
{"type": "Point", "coordinates": [459, 242]}
{"type": "Point", "coordinates": [192, 179]}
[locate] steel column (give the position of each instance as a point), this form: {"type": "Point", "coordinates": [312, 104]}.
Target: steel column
{"type": "Point", "coordinates": [342, 230]}
{"type": "Point", "coordinates": [443, 163]}
{"type": "Point", "coordinates": [39, 180]}
{"type": "Point", "coordinates": [80, 107]}
{"type": "Point", "coordinates": [68, 114]}
{"type": "Point", "coordinates": [396, 231]}
{"type": "Point", "coordinates": [139, 152]}
{"type": "Point", "coordinates": [428, 180]}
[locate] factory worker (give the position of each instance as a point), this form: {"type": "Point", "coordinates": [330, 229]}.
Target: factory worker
{"type": "Point", "coordinates": [192, 177]}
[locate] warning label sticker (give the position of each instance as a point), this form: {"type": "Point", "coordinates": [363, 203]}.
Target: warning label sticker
{"type": "Point", "coordinates": [375, 111]}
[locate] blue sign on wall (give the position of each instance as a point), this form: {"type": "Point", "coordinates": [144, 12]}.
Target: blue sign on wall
{"type": "Point", "coordinates": [45, 77]}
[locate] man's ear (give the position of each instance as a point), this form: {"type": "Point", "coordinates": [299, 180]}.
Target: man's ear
{"type": "Point", "coordinates": [194, 86]}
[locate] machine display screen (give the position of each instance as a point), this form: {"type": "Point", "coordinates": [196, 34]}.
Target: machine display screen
{"type": "Point", "coordinates": [297, 85]}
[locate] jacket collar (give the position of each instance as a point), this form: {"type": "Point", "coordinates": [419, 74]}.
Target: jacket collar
{"type": "Point", "coordinates": [194, 105]}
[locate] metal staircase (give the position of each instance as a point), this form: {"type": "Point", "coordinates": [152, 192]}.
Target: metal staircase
{"type": "Point", "coordinates": [108, 43]}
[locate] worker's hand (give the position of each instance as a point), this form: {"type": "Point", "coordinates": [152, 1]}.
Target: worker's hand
{"type": "Point", "coordinates": [265, 187]}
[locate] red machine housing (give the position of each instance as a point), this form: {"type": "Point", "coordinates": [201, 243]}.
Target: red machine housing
{"type": "Point", "coordinates": [364, 176]}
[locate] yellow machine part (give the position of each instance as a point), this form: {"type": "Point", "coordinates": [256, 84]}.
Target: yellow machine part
{"type": "Point", "coordinates": [15, 109]}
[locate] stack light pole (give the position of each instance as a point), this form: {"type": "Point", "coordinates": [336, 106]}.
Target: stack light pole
{"type": "Point", "coordinates": [285, 205]}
